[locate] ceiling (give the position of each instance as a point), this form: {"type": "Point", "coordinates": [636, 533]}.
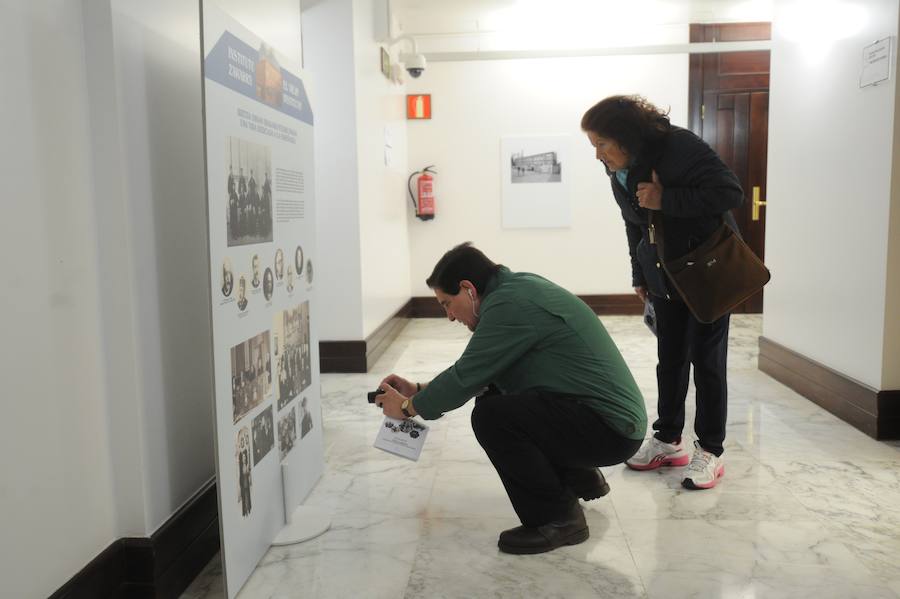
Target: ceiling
{"type": "Point", "coordinates": [443, 17]}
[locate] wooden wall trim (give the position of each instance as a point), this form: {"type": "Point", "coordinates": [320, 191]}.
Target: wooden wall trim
{"type": "Point", "coordinates": [623, 304]}
{"type": "Point", "coordinates": [602, 305]}
{"type": "Point", "coordinates": [359, 356]}
{"type": "Point", "coordinates": [382, 337]}
{"type": "Point", "coordinates": [876, 413]}
{"type": "Point", "coordinates": [426, 307]}
{"type": "Point", "coordinates": [159, 566]}
{"type": "Point", "coordinates": [342, 356]}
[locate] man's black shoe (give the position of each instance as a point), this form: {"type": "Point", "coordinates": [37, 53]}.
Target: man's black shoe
{"type": "Point", "coordinates": [587, 484]}
{"type": "Point", "coordinates": [527, 540]}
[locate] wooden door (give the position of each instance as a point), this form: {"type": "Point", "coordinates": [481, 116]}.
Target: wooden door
{"type": "Point", "coordinates": [729, 109]}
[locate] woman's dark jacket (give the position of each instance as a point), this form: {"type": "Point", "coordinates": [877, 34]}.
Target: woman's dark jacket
{"type": "Point", "coordinates": [698, 191]}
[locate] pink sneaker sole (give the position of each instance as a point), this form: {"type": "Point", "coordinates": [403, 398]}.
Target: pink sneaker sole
{"type": "Point", "coordinates": [659, 461]}
{"type": "Point", "coordinates": [690, 484]}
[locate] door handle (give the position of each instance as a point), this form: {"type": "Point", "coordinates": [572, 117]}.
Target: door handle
{"type": "Point", "coordinates": [756, 202]}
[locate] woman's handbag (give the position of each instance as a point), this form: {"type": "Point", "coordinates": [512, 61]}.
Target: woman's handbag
{"type": "Point", "coordinates": [714, 277]}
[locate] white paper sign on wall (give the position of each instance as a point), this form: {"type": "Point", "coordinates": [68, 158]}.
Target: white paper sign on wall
{"type": "Point", "coordinates": [876, 63]}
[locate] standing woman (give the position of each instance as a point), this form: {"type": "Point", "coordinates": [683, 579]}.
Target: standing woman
{"type": "Point", "coordinates": [656, 166]}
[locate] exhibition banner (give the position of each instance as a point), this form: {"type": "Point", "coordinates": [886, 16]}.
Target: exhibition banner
{"type": "Point", "coordinates": [260, 203]}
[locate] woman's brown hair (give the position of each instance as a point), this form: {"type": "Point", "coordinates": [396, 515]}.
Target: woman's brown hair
{"type": "Point", "coordinates": [632, 121]}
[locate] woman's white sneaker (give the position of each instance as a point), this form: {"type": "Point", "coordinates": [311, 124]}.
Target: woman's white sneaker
{"type": "Point", "coordinates": [704, 471]}
{"type": "Point", "coordinates": [655, 453]}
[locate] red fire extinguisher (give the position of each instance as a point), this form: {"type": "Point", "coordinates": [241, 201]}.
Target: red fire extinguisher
{"type": "Point", "coordinates": [423, 201]}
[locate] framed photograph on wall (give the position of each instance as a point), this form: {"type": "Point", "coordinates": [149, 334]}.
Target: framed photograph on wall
{"type": "Point", "coordinates": [534, 182]}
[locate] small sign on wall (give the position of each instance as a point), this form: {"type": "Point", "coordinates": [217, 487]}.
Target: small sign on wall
{"type": "Point", "coordinates": [876, 63]}
{"type": "Point", "coordinates": [418, 106]}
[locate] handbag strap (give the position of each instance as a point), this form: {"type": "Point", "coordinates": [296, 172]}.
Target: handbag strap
{"type": "Point", "coordinates": [656, 235]}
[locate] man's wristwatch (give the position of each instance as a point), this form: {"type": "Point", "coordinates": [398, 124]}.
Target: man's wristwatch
{"type": "Point", "coordinates": [404, 407]}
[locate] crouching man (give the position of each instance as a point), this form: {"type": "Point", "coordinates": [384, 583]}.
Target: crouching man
{"type": "Point", "coordinates": [556, 399]}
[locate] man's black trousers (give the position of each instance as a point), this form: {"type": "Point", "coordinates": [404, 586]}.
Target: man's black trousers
{"type": "Point", "coordinates": [539, 442]}
{"type": "Point", "coordinates": [682, 341]}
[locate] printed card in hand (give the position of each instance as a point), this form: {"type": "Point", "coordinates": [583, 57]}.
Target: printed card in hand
{"type": "Point", "coordinates": [404, 438]}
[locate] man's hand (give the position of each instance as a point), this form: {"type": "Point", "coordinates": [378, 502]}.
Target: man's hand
{"type": "Point", "coordinates": [649, 195]}
{"type": "Point", "coordinates": [642, 293]}
{"type": "Point", "coordinates": [390, 401]}
{"type": "Point", "coordinates": [399, 383]}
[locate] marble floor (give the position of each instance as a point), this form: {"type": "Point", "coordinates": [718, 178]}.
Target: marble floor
{"type": "Point", "coordinates": [809, 506]}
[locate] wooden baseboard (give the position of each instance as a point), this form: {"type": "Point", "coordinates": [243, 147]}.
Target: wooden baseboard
{"type": "Point", "coordinates": [359, 356]}
{"type": "Point", "coordinates": [876, 413]}
{"type": "Point", "coordinates": [623, 304]}
{"type": "Point", "coordinates": [602, 305]}
{"type": "Point", "coordinates": [426, 307]}
{"type": "Point", "coordinates": [155, 567]}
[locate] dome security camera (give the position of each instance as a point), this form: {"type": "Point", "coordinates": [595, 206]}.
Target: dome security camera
{"type": "Point", "coordinates": [415, 65]}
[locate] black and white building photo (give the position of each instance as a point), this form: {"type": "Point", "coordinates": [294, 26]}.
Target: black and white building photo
{"type": "Point", "coordinates": [543, 167]}
{"type": "Point", "coordinates": [251, 374]}
{"type": "Point", "coordinates": [249, 172]}
{"type": "Point", "coordinates": [263, 435]}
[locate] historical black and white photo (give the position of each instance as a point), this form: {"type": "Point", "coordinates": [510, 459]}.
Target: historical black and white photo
{"type": "Point", "coordinates": [263, 435]}
{"type": "Point", "coordinates": [306, 421]}
{"type": "Point", "coordinates": [279, 264]}
{"type": "Point", "coordinates": [292, 352]}
{"type": "Point", "coordinates": [290, 278]}
{"type": "Point", "coordinates": [251, 374]}
{"type": "Point", "coordinates": [287, 432]}
{"type": "Point", "coordinates": [245, 482]}
{"type": "Point", "coordinates": [255, 281]}
{"type": "Point", "coordinates": [227, 278]}
{"type": "Point", "coordinates": [242, 293]}
{"type": "Point", "coordinates": [309, 274]}
{"type": "Point", "coordinates": [268, 283]}
{"type": "Point", "coordinates": [249, 215]}
{"type": "Point", "coordinates": [298, 260]}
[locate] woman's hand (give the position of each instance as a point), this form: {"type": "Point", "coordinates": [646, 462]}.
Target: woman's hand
{"type": "Point", "coordinates": [642, 293]}
{"type": "Point", "coordinates": [399, 383]}
{"type": "Point", "coordinates": [649, 195]}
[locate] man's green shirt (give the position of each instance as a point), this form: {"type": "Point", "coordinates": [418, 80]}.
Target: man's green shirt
{"type": "Point", "coordinates": [535, 335]}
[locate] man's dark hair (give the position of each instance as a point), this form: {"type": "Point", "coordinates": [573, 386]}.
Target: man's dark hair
{"type": "Point", "coordinates": [464, 262]}
{"type": "Point", "coordinates": [632, 121]}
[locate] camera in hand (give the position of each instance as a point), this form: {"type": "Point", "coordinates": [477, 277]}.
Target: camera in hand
{"type": "Point", "coordinates": [373, 394]}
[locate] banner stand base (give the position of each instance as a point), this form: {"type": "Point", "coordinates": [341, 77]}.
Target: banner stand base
{"type": "Point", "coordinates": [307, 522]}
